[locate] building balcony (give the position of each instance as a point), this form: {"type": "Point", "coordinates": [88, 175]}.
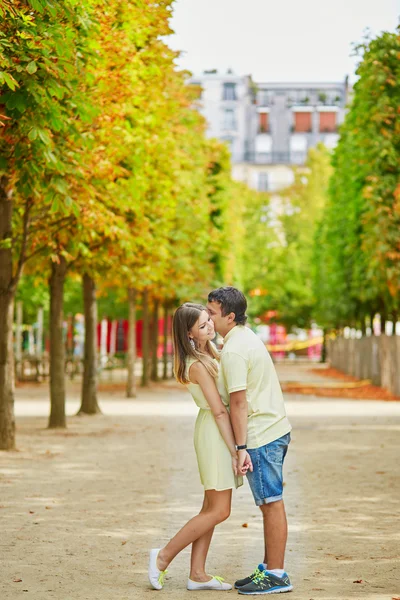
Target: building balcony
{"type": "Point", "coordinates": [276, 158]}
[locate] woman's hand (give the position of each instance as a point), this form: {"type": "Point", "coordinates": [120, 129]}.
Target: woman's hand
{"type": "Point", "coordinates": [234, 463]}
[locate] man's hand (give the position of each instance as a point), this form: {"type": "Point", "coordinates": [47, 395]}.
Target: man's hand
{"type": "Point", "coordinates": [244, 463]}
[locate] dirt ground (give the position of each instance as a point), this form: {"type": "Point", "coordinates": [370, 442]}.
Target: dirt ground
{"type": "Point", "coordinates": [79, 509]}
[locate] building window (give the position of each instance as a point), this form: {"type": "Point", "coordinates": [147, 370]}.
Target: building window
{"type": "Point", "coordinates": [265, 98]}
{"type": "Point", "coordinates": [229, 121]}
{"type": "Point", "coordinates": [302, 122]}
{"type": "Point", "coordinates": [198, 90]}
{"type": "Point", "coordinates": [327, 122]}
{"type": "Point", "coordinates": [337, 98]}
{"type": "Point", "coordinates": [229, 142]}
{"type": "Point", "coordinates": [298, 149]}
{"type": "Point", "coordinates": [229, 92]}
{"type": "Point", "coordinates": [330, 97]}
{"type": "Point", "coordinates": [303, 96]}
{"type": "Point", "coordinates": [262, 184]}
{"type": "Point", "coordinates": [263, 122]}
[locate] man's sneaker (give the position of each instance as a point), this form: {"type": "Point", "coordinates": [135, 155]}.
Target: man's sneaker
{"type": "Point", "coordinates": [241, 582]}
{"type": "Point", "coordinates": [267, 583]}
{"type": "Point", "coordinates": [216, 583]}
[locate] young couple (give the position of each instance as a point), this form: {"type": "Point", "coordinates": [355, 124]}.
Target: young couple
{"type": "Point", "coordinates": [241, 429]}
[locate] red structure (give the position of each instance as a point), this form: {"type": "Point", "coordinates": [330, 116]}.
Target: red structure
{"type": "Point", "coordinates": [121, 342]}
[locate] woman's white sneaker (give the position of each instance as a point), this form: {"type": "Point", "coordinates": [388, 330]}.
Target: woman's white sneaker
{"type": "Point", "coordinates": [216, 583]}
{"type": "Point", "coordinates": [156, 577]}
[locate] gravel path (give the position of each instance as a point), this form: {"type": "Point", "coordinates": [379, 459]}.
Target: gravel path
{"type": "Point", "coordinates": [80, 508]}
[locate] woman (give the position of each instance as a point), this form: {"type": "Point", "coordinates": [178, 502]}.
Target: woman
{"type": "Point", "coordinates": [196, 365]}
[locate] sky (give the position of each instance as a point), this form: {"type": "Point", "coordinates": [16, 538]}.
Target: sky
{"type": "Point", "coordinates": [277, 40]}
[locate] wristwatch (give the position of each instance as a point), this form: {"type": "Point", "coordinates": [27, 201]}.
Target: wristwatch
{"type": "Point", "coordinates": [242, 447]}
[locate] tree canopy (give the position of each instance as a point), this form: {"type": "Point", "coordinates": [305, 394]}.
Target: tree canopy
{"type": "Point", "coordinates": [358, 243]}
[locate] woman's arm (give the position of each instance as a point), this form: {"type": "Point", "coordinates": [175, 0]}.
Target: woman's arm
{"type": "Point", "coordinates": [200, 375]}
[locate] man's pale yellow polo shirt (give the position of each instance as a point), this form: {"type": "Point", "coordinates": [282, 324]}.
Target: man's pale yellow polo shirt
{"type": "Point", "coordinates": [247, 365]}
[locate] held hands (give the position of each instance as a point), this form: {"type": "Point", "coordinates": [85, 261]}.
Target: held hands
{"type": "Point", "coordinates": [244, 462]}
{"type": "Point", "coordinates": [241, 463]}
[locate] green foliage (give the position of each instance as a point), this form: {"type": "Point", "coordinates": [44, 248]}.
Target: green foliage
{"type": "Point", "coordinates": [34, 294]}
{"type": "Point", "coordinates": [358, 242]}
{"type": "Point", "coordinates": [44, 52]}
{"type": "Point", "coordinates": [105, 153]}
{"type": "Point", "coordinates": [279, 247]}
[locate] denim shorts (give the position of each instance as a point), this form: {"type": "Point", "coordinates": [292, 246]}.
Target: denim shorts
{"type": "Point", "coordinates": [266, 481]}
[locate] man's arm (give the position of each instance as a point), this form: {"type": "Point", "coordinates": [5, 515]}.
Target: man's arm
{"type": "Point", "coordinates": [238, 404]}
{"type": "Point", "coordinates": [234, 368]}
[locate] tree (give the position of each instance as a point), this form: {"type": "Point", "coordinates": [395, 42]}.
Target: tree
{"type": "Point", "coordinates": [357, 245]}
{"type": "Point", "coordinates": [279, 248]}
{"type": "Point", "coordinates": [41, 56]}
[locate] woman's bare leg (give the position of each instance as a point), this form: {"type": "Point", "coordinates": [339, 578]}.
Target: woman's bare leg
{"type": "Point", "coordinates": [217, 510]}
{"type": "Point", "coordinates": [199, 552]}
{"type": "Point", "coordinates": [199, 556]}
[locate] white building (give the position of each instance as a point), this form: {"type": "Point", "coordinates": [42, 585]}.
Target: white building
{"type": "Point", "coordinates": [227, 103]}
{"type": "Point", "coordinates": [270, 127]}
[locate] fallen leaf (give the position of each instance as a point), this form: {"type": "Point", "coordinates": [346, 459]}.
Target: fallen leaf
{"type": "Point", "coordinates": [123, 543]}
{"type": "Point", "coordinates": [31, 512]}
{"type": "Point", "coordinates": [358, 581]}
{"type": "Point", "coordinates": [48, 507]}
{"type": "Point", "coordinates": [395, 597]}
{"type": "Point", "coordinates": [17, 580]}
{"type": "Point", "coordinates": [245, 525]}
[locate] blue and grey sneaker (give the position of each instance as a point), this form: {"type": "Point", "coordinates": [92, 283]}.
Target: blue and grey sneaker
{"type": "Point", "coordinates": [267, 583]}
{"type": "Point", "coordinates": [242, 582]}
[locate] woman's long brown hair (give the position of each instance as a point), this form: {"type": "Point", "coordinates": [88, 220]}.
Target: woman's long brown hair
{"type": "Point", "coordinates": [184, 318]}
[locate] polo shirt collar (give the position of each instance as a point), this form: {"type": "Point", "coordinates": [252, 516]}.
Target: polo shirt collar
{"type": "Point", "coordinates": [232, 332]}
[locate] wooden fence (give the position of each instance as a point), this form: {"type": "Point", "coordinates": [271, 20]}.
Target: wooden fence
{"type": "Point", "coordinates": [375, 357]}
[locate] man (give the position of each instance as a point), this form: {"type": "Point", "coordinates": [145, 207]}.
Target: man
{"type": "Point", "coordinates": [262, 431]}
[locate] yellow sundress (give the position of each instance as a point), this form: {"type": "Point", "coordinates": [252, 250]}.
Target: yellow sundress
{"type": "Point", "coordinates": [213, 456]}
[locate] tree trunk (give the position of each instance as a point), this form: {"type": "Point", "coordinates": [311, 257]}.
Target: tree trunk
{"type": "Point", "coordinates": [371, 322]}
{"type": "Point", "coordinates": [89, 404]}
{"type": "Point", "coordinates": [395, 317]}
{"type": "Point", "coordinates": [324, 351]}
{"type": "Point", "coordinates": [145, 338]}
{"type": "Point", "coordinates": [131, 385]}
{"type": "Point", "coordinates": [363, 326]}
{"type": "Point", "coordinates": [57, 348]}
{"type": "Point", "coordinates": [39, 345]}
{"type": "Point", "coordinates": [165, 342]}
{"type": "Point", "coordinates": [18, 342]}
{"type": "Point", "coordinates": [7, 293]}
{"type": "Point", "coordinates": [154, 342]}
{"type": "Point", "coordinates": [7, 421]}
{"type": "Point", "coordinates": [383, 323]}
